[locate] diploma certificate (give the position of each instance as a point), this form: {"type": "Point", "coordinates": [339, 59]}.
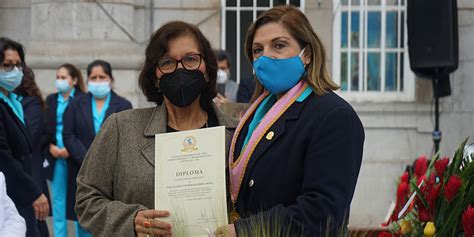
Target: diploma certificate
{"type": "Point", "coordinates": [190, 180]}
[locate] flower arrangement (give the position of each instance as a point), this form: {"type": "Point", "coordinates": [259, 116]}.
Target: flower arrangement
{"type": "Point", "coordinates": [435, 198]}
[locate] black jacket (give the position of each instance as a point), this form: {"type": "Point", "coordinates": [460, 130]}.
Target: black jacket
{"type": "Point", "coordinates": [15, 159]}
{"type": "Point", "coordinates": [246, 89]}
{"type": "Point", "coordinates": [78, 134]}
{"type": "Point", "coordinates": [305, 175]}
{"type": "Point", "coordinates": [49, 133]}
{"type": "Point", "coordinates": [34, 117]}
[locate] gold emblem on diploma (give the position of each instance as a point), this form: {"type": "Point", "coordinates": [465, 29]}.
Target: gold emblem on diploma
{"type": "Point", "coordinates": [189, 144]}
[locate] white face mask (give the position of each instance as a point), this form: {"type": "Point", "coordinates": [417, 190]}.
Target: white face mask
{"type": "Point", "coordinates": [62, 86]}
{"type": "Point", "coordinates": [99, 89]}
{"type": "Point", "coordinates": [222, 76]}
{"type": "Point", "coordinates": [11, 80]}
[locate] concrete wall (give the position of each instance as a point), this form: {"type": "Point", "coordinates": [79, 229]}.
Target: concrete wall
{"type": "Point", "coordinates": [59, 31]}
{"type": "Point", "coordinates": [15, 18]}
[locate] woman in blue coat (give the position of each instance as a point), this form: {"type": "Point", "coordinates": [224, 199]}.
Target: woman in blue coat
{"type": "Point", "coordinates": [69, 84]}
{"type": "Point", "coordinates": [82, 122]}
{"type": "Point", "coordinates": [15, 141]}
{"type": "Point", "coordinates": [296, 154]}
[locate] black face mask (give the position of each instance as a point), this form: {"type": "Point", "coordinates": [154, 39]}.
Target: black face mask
{"type": "Point", "coordinates": [182, 87]}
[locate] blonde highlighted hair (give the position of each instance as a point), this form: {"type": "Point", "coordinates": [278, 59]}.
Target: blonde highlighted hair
{"type": "Point", "coordinates": [299, 27]}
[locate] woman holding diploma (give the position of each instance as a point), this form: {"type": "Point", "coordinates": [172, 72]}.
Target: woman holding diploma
{"type": "Point", "coordinates": [296, 153]}
{"type": "Point", "coordinates": [115, 195]}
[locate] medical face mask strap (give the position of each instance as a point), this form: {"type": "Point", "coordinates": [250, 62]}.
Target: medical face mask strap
{"type": "Point", "coordinates": [302, 52]}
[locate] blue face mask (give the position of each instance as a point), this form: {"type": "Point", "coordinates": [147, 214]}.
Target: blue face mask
{"type": "Point", "coordinates": [11, 80]}
{"type": "Point", "coordinates": [279, 75]}
{"type": "Point", "coordinates": [62, 86]}
{"type": "Point", "coordinates": [99, 89]}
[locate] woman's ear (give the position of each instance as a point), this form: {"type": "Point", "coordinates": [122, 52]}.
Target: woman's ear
{"type": "Point", "coordinates": [307, 55]}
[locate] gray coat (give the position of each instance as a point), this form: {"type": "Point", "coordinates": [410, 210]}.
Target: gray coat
{"type": "Point", "coordinates": [116, 179]}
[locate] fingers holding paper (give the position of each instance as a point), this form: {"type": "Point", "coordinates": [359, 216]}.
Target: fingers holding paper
{"type": "Point", "coordinates": [147, 223]}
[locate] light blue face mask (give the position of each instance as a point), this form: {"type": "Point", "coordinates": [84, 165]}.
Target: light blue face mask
{"type": "Point", "coordinates": [11, 80]}
{"type": "Point", "coordinates": [279, 75]}
{"type": "Point", "coordinates": [99, 89]}
{"type": "Point", "coordinates": [62, 86]}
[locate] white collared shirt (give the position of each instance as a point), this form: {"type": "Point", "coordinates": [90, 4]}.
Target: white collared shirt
{"type": "Point", "coordinates": [11, 223]}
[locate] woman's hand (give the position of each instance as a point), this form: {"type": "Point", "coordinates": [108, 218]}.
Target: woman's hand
{"type": "Point", "coordinates": [226, 231]}
{"type": "Point", "coordinates": [147, 224]}
{"type": "Point", "coordinates": [41, 207]}
{"type": "Point", "coordinates": [64, 153]}
{"type": "Point", "coordinates": [220, 99]}
{"type": "Point", "coordinates": [54, 150]}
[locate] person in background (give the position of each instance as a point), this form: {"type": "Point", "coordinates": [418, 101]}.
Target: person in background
{"type": "Point", "coordinates": [82, 122]}
{"type": "Point", "coordinates": [226, 88]}
{"type": "Point", "coordinates": [33, 107]}
{"type": "Point", "coordinates": [11, 223]}
{"type": "Point", "coordinates": [15, 144]}
{"type": "Point", "coordinates": [295, 159]}
{"type": "Point", "coordinates": [69, 84]}
{"type": "Point", "coordinates": [246, 89]}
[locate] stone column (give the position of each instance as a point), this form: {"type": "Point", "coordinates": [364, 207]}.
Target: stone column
{"type": "Point", "coordinates": [15, 17]}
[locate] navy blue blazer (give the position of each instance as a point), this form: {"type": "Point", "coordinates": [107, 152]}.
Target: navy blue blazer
{"type": "Point", "coordinates": [78, 134]}
{"type": "Point", "coordinates": [307, 172]}
{"type": "Point", "coordinates": [34, 117]}
{"type": "Point", "coordinates": [15, 156]}
{"type": "Point", "coordinates": [49, 133]}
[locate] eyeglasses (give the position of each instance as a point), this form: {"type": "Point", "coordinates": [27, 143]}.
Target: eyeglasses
{"type": "Point", "coordinates": [7, 67]}
{"type": "Point", "coordinates": [189, 62]}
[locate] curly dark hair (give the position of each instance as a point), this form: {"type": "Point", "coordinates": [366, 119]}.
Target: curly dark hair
{"type": "Point", "coordinates": [159, 46]}
{"type": "Point", "coordinates": [7, 43]}
{"type": "Point", "coordinates": [28, 86]}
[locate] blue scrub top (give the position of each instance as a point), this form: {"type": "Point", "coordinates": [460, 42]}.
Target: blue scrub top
{"type": "Point", "coordinates": [14, 101]}
{"type": "Point", "coordinates": [99, 117]}
{"type": "Point", "coordinates": [62, 105]}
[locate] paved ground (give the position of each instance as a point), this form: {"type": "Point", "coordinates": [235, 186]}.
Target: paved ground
{"type": "Point", "coordinates": [71, 229]}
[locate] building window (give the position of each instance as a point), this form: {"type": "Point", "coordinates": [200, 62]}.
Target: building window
{"type": "Point", "coordinates": [370, 50]}
{"type": "Point", "coordinates": [237, 15]}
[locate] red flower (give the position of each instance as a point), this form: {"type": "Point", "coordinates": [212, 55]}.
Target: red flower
{"type": "Point", "coordinates": [424, 215]}
{"type": "Point", "coordinates": [452, 187]}
{"type": "Point", "coordinates": [385, 234]}
{"type": "Point", "coordinates": [404, 177]}
{"type": "Point", "coordinates": [432, 196]}
{"type": "Point", "coordinates": [402, 197]}
{"type": "Point", "coordinates": [421, 178]}
{"type": "Point", "coordinates": [402, 192]}
{"type": "Point", "coordinates": [468, 221]}
{"type": "Point", "coordinates": [432, 179]}
{"type": "Point", "coordinates": [430, 191]}
{"type": "Point", "coordinates": [421, 165]}
{"type": "Point", "coordinates": [440, 166]}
